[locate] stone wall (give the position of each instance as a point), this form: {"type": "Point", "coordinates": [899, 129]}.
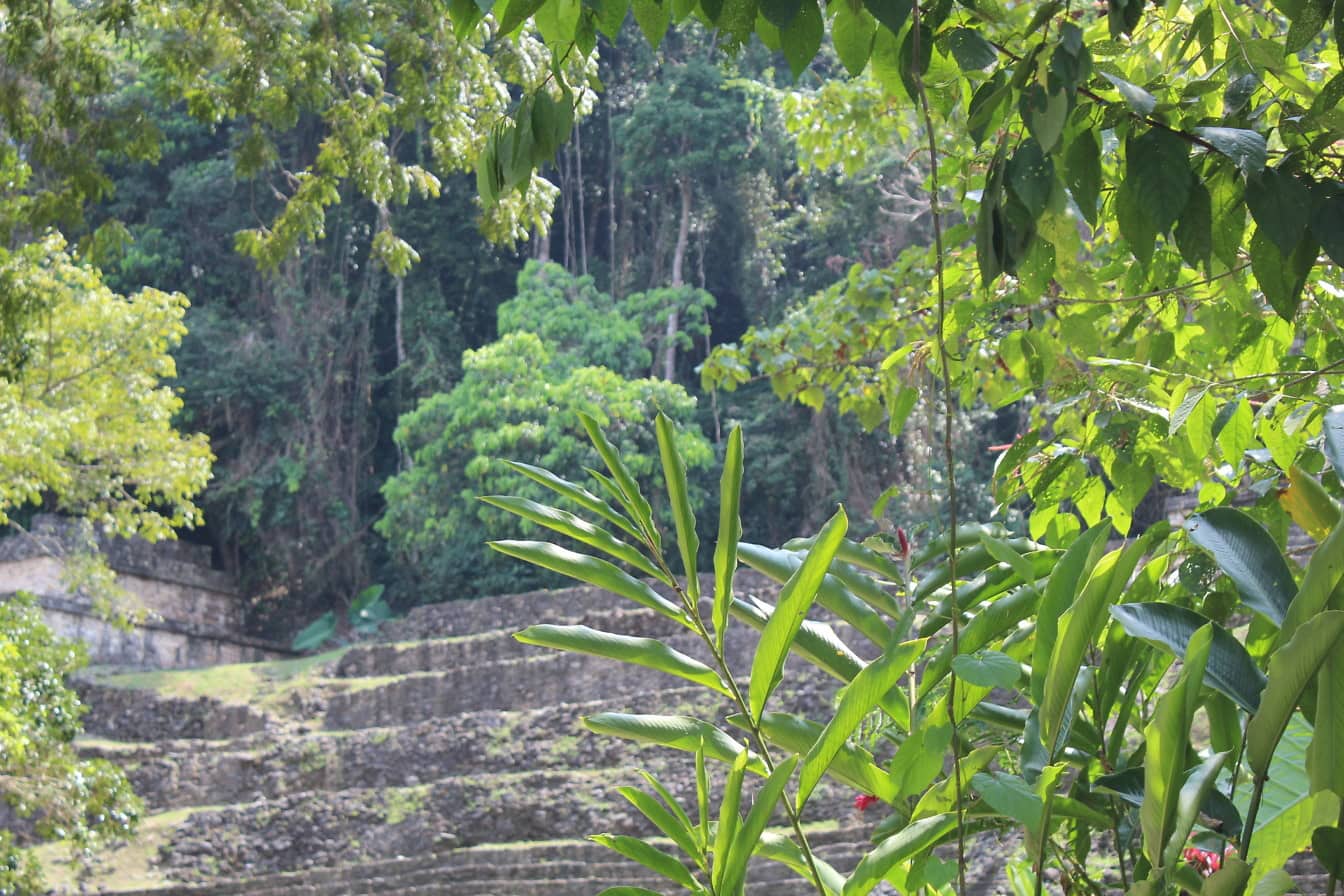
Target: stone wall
{"type": "Point", "coordinates": [182, 613]}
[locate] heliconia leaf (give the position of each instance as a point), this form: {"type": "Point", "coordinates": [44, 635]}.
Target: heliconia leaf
{"type": "Point", "coordinates": [852, 765]}
{"type": "Point", "coordinates": [678, 493]}
{"type": "Point", "coordinates": [1194, 792]}
{"type": "Point", "coordinates": [1248, 555]}
{"type": "Point", "coordinates": [632, 499]}
{"type": "Point", "coordinates": [1217, 808]}
{"type": "Point", "coordinates": [1065, 583]}
{"type": "Point", "coordinates": [1078, 628]}
{"type": "Point", "coordinates": [832, 594]}
{"type": "Point", "coordinates": [1309, 504]}
{"type": "Point", "coordinates": [728, 822]}
{"type": "Point", "coordinates": [1167, 738]}
{"type": "Point", "coordinates": [650, 857]}
{"type": "Point", "coordinates": [671, 825]}
{"type": "Point", "coordinates": [1291, 669]}
{"type": "Point", "coordinates": [648, 652]}
{"type": "Point", "coordinates": [592, 570]}
{"type": "Point", "coordinates": [862, 695]}
{"type": "Point", "coordinates": [909, 841]}
{"type": "Point", "coordinates": [1333, 431]}
{"type": "Point", "coordinates": [1325, 755]}
{"type": "Point", "coordinates": [1322, 576]}
{"type": "Point", "coordinates": [866, 588]}
{"type": "Point", "coordinates": [730, 533]}
{"type": "Point", "coordinates": [1289, 833]}
{"type": "Point", "coordinates": [1230, 671]}
{"type": "Point", "coordinates": [749, 832]}
{"type": "Point", "coordinates": [794, 601]}
{"type": "Point", "coordinates": [678, 732]}
{"type": "Point", "coordinates": [576, 528]}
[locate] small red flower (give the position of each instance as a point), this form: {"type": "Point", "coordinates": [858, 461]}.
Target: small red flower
{"type": "Point", "coordinates": [904, 541]}
{"type": "Point", "coordinates": [864, 800]}
{"type": "Point", "coordinates": [1205, 862]}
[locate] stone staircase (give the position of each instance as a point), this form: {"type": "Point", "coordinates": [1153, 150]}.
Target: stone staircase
{"type": "Point", "coordinates": [447, 759]}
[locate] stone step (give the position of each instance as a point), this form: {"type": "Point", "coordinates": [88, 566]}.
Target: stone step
{"type": "Point", "coordinates": [147, 716]}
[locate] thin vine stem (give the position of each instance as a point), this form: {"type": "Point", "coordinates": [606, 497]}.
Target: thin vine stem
{"type": "Point", "coordinates": [949, 458]}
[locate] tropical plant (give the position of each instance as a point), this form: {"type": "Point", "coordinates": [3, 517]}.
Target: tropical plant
{"type": "Point", "coordinates": [1026, 670]}
{"type": "Point", "coordinates": [366, 612]}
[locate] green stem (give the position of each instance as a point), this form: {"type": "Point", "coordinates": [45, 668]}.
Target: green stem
{"type": "Point", "coordinates": [1249, 827]}
{"type": "Point", "coordinates": [1334, 878]}
{"type": "Point", "coordinates": [1119, 847]}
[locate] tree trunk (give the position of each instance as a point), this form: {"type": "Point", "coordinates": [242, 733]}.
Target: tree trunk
{"type": "Point", "coordinates": [613, 266]}
{"type": "Point", "coordinates": [678, 280]}
{"type": "Point", "coordinates": [578, 187]}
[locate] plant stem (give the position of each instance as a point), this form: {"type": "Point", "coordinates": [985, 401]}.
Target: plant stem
{"type": "Point", "coordinates": [1119, 847]}
{"type": "Point", "coordinates": [949, 459]}
{"type": "Point", "coordinates": [1249, 827]}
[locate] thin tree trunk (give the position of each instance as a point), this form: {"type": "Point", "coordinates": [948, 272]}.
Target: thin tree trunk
{"type": "Point", "coordinates": [678, 280]}
{"type": "Point", "coordinates": [401, 307]}
{"type": "Point", "coordinates": [578, 187]}
{"type": "Point", "coordinates": [613, 265]}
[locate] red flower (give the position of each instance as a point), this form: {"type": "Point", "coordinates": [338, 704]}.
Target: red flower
{"type": "Point", "coordinates": [864, 800]}
{"type": "Point", "coordinates": [904, 541]}
{"type": "Point", "coordinates": [1205, 862]}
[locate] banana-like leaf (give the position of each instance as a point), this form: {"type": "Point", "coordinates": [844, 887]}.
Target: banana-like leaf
{"type": "Point", "coordinates": [1216, 811]}
{"type": "Point", "coordinates": [648, 652]}
{"type": "Point", "coordinates": [1325, 756]}
{"type": "Point", "coordinates": [983, 588]}
{"type": "Point", "coordinates": [1194, 793]}
{"type": "Point", "coordinates": [1291, 669]}
{"type": "Point", "coordinates": [626, 488]}
{"type": "Point", "coordinates": [1167, 739]}
{"type": "Point", "coordinates": [862, 695]}
{"type": "Point", "coordinates": [594, 571]}
{"type": "Point", "coordinates": [670, 824]}
{"type": "Point", "coordinates": [852, 765]}
{"type": "Point", "coordinates": [749, 832]}
{"type": "Point", "coordinates": [1277, 841]}
{"type": "Point", "coordinates": [730, 533]}
{"type": "Point", "coordinates": [795, 599]}
{"type": "Point", "coordinates": [576, 493]}
{"type": "Point", "coordinates": [1328, 844]}
{"type": "Point", "coordinates": [867, 589]}
{"type": "Point", "coordinates": [831, 592]}
{"type": "Point", "coordinates": [1065, 583]}
{"type": "Point", "coordinates": [678, 493]}
{"type": "Point", "coordinates": [1309, 504]}
{"type": "Point", "coordinates": [650, 857]}
{"type": "Point", "coordinates": [1247, 553]}
{"type": "Point", "coordinates": [576, 528]}
{"type": "Point", "coordinates": [915, 838]}
{"type": "Point", "coordinates": [728, 823]}
{"type": "Point", "coordinates": [943, 797]}
{"type": "Point", "coordinates": [971, 559]}
{"type": "Point", "coordinates": [779, 848]}
{"type": "Point", "coordinates": [1078, 629]}
{"type": "Point", "coordinates": [678, 732]}
{"type": "Point", "coordinates": [1322, 576]}
{"type": "Point", "coordinates": [1231, 671]}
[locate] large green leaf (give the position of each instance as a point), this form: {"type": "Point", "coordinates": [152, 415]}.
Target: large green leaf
{"type": "Point", "coordinates": [576, 528]}
{"type": "Point", "coordinates": [1290, 833]}
{"type": "Point", "coordinates": [832, 594]}
{"type": "Point", "coordinates": [678, 732]}
{"type": "Point", "coordinates": [862, 695]}
{"type": "Point", "coordinates": [1321, 577]}
{"type": "Point", "coordinates": [1325, 756]}
{"type": "Point", "coordinates": [730, 533]}
{"type": "Point", "coordinates": [794, 601]}
{"type": "Point", "coordinates": [906, 843]}
{"type": "Point", "coordinates": [678, 493]}
{"type": "Point", "coordinates": [1221, 813]}
{"type": "Point", "coordinates": [649, 856]}
{"type": "Point", "coordinates": [851, 764]}
{"type": "Point", "coordinates": [749, 832]}
{"type": "Point", "coordinates": [802, 38]}
{"type": "Point", "coordinates": [316, 633]}
{"type": "Point", "coordinates": [779, 848]}
{"type": "Point", "coordinates": [1333, 432]}
{"type": "Point", "coordinates": [1291, 669]}
{"type": "Point", "coordinates": [647, 652]}
{"type": "Point", "coordinates": [994, 620]}
{"type": "Point", "coordinates": [1248, 555]}
{"type": "Point", "coordinates": [1065, 582]}
{"type": "Point", "coordinates": [1193, 795]}
{"type": "Point", "coordinates": [1230, 670]}
{"type": "Point", "coordinates": [815, 642]}
{"type": "Point", "coordinates": [592, 570]}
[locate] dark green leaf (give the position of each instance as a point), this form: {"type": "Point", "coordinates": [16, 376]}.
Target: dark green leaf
{"type": "Point", "coordinates": [1327, 226]}
{"type": "Point", "coordinates": [1333, 431]}
{"type": "Point", "coordinates": [1194, 228]}
{"type": "Point", "coordinates": [986, 105]}
{"type": "Point", "coordinates": [1319, 580]}
{"type": "Point", "coordinates": [891, 13]}
{"type": "Point", "coordinates": [1044, 112]}
{"type": "Point", "coordinates": [653, 19]}
{"type": "Point", "coordinates": [675, 826]}
{"type": "Point", "coordinates": [852, 765]}
{"type": "Point", "coordinates": [1012, 797]}
{"type": "Point", "coordinates": [1291, 669]}
{"type": "Point", "coordinates": [575, 527]}
{"type": "Point", "coordinates": [1307, 24]}
{"type": "Point", "coordinates": [1140, 100]}
{"type": "Point", "coordinates": [970, 49]}
{"type": "Point", "coordinates": [678, 494]}
{"type": "Point", "coordinates": [730, 532]}
{"type": "Point", "coordinates": [1248, 555]}
{"type": "Point", "coordinates": [852, 32]}
{"type": "Point", "coordinates": [1031, 177]}
{"type": "Point", "coordinates": [1082, 167]}
{"type": "Point", "coordinates": [987, 669]}
{"type": "Point", "coordinates": [780, 13]}
{"type": "Point", "coordinates": [576, 493]}
{"type": "Point", "coordinates": [1328, 845]}
{"type": "Point", "coordinates": [1246, 148]}
{"type": "Point", "coordinates": [1278, 202]}
{"type": "Point", "coordinates": [517, 12]}
{"type": "Point", "coordinates": [1155, 188]}
{"type": "Point", "coordinates": [1282, 277]}
{"type": "Point", "coordinates": [802, 38]}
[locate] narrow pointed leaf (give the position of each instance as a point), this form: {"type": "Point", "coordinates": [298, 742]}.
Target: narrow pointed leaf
{"type": "Point", "coordinates": [631, 498]}
{"type": "Point", "coordinates": [730, 533]}
{"type": "Point", "coordinates": [592, 570]}
{"type": "Point", "coordinates": [1291, 669]}
{"type": "Point", "coordinates": [1325, 756]}
{"type": "Point", "coordinates": [729, 819]}
{"type": "Point", "coordinates": [909, 841]}
{"type": "Point", "coordinates": [862, 695]}
{"type": "Point", "coordinates": [779, 848]}
{"type": "Point", "coordinates": [678, 493]}
{"type": "Point", "coordinates": [815, 642]}
{"type": "Point", "coordinates": [852, 765]}
{"type": "Point", "coordinates": [831, 592]}
{"type": "Point", "coordinates": [1229, 880]}
{"type": "Point", "coordinates": [576, 528]}
{"type": "Point", "coordinates": [671, 801]}
{"type": "Point", "coordinates": [678, 732]}
{"type": "Point", "coordinates": [1333, 430]}
{"type": "Point", "coordinates": [1194, 792]}
{"type": "Point", "coordinates": [749, 832]}
{"type": "Point", "coordinates": [794, 601]}
{"type": "Point", "coordinates": [1065, 583]}
{"type": "Point", "coordinates": [1319, 580]}
{"type": "Point", "coordinates": [1248, 555]}
{"type": "Point", "coordinates": [650, 857]}
{"type": "Point", "coordinates": [648, 652]}
{"type": "Point", "coordinates": [671, 826]}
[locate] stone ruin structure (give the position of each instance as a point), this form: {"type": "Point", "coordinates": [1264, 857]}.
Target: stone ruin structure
{"type": "Point", "coordinates": [184, 613]}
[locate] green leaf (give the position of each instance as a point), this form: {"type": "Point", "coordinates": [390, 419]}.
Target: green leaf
{"type": "Point", "coordinates": [802, 38]}
{"type": "Point", "coordinates": [1309, 504]}
{"type": "Point", "coordinates": [1230, 670]}
{"type": "Point", "coordinates": [794, 601]}
{"type": "Point", "coordinates": [1217, 808]}
{"type": "Point", "coordinates": [1065, 582]}
{"type": "Point", "coordinates": [316, 633]}
{"type": "Point", "coordinates": [576, 528]}
{"type": "Point", "coordinates": [647, 652]}
{"type": "Point", "coordinates": [1333, 432]}
{"type": "Point", "coordinates": [857, 700]}
{"type": "Point", "coordinates": [1140, 100]}
{"type": "Point", "coordinates": [1246, 552]}
{"type": "Point", "coordinates": [653, 19]}
{"type": "Point", "coordinates": [1004, 553]}
{"type": "Point", "coordinates": [972, 52]}
{"type": "Point", "coordinates": [1281, 277]}
{"type": "Point", "coordinates": [1247, 149]}
{"type": "Point", "coordinates": [1229, 880]}
{"type": "Point", "coordinates": [1082, 167]}
{"type": "Point", "coordinates": [628, 891]}
{"type": "Point", "coordinates": [1328, 845]}
{"type": "Point", "coordinates": [815, 642]}
{"type": "Point", "coordinates": [730, 532]}
{"type": "Point", "coordinates": [729, 819]}
{"type": "Point", "coordinates": [779, 848]}
{"type": "Point", "coordinates": [1319, 580]}
{"type": "Point", "coordinates": [1194, 228]}
{"type": "Point", "coordinates": [592, 570]}
{"type": "Point", "coordinates": [891, 13]}
{"type": "Point", "coordinates": [678, 493]}
{"type": "Point", "coordinates": [987, 669]}
{"type": "Point", "coordinates": [1291, 669]}
{"type": "Point", "coordinates": [852, 765]}
{"type": "Point", "coordinates": [780, 13]}
{"type": "Point", "coordinates": [634, 502]}
{"type": "Point", "coordinates": [675, 826]}
{"type": "Point", "coordinates": [1194, 794]}
{"type": "Point", "coordinates": [1278, 203]}
{"type": "Point", "coordinates": [576, 493]}
{"type": "Point", "coordinates": [1325, 756]}
{"type": "Point", "coordinates": [832, 594]}
{"type": "Point", "coordinates": [1011, 796]}
{"type": "Point", "coordinates": [1167, 739]}
{"type": "Point", "coordinates": [517, 12]}
{"type": "Point", "coordinates": [1289, 833]}
{"type": "Point", "coordinates": [650, 857]}
{"type": "Point", "coordinates": [1155, 189]}
{"type": "Point", "coordinates": [1031, 177]}
{"type": "Point", "coordinates": [1044, 112]}
{"type": "Point", "coordinates": [749, 833]}
{"type": "Point", "coordinates": [1327, 224]}
{"type": "Point", "coordinates": [852, 32]}
{"type": "Point", "coordinates": [678, 732]}
{"type": "Point", "coordinates": [908, 842]}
